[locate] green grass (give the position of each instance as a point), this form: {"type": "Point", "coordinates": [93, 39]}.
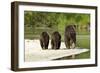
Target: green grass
{"type": "Point", "coordinates": [85, 55]}
{"type": "Point", "coordinates": [83, 41]}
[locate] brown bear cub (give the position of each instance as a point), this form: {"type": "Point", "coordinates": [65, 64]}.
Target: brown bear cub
{"type": "Point", "coordinates": [44, 40]}
{"type": "Point", "coordinates": [55, 40]}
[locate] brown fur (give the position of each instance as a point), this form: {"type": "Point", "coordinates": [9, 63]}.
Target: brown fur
{"type": "Point", "coordinates": [55, 40]}
{"type": "Point", "coordinates": [44, 40]}
{"type": "Point", "coordinates": [70, 36]}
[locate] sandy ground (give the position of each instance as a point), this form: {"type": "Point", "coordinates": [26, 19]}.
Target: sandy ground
{"type": "Point", "coordinates": [33, 51]}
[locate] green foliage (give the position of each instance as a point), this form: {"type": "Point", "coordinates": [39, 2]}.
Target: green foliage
{"type": "Point", "coordinates": [53, 21]}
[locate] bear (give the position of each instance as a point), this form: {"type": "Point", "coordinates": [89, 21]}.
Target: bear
{"type": "Point", "coordinates": [55, 40]}
{"type": "Point", "coordinates": [70, 36]}
{"type": "Point", "coordinates": [44, 40]}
